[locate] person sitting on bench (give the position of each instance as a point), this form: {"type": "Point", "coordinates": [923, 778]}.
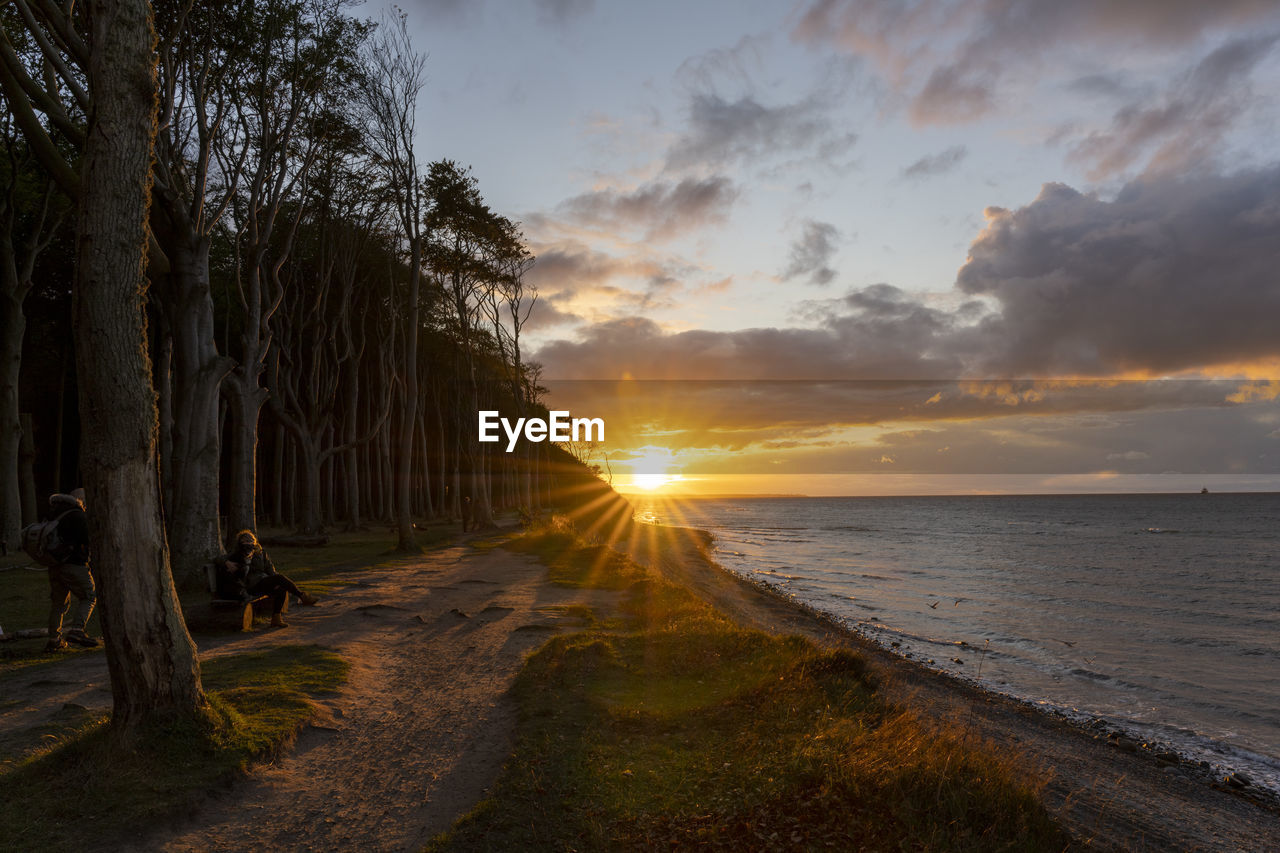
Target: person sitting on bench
{"type": "Point", "coordinates": [247, 572]}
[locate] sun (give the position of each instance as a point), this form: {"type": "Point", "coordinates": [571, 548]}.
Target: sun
{"type": "Point", "coordinates": [652, 469]}
{"type": "Point", "coordinates": [650, 482]}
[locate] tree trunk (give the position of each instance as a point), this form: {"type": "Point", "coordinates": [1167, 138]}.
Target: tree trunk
{"type": "Point", "coordinates": [246, 398]}
{"type": "Point", "coordinates": [150, 655]}
{"type": "Point", "coordinates": [198, 372]}
{"type": "Point", "coordinates": [291, 467]}
{"type": "Point", "coordinates": [277, 462]}
{"type": "Point", "coordinates": [164, 379]}
{"type": "Point", "coordinates": [351, 456]}
{"type": "Point", "coordinates": [425, 467]}
{"type": "Point", "coordinates": [442, 479]}
{"type": "Point", "coordinates": [309, 520]}
{"type": "Point", "coordinates": [481, 503]}
{"type": "Point", "coordinates": [27, 471]}
{"type": "Point", "coordinates": [59, 429]}
{"type": "Point", "coordinates": [328, 475]}
{"type": "Point", "coordinates": [409, 412]}
{"type": "Point", "coordinates": [13, 326]}
{"type": "Point", "coordinates": [387, 500]}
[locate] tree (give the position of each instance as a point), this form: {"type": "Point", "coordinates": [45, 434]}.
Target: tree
{"type": "Point", "coordinates": [28, 222]}
{"type": "Point", "coordinates": [150, 655]}
{"type": "Point", "coordinates": [467, 239]}
{"type": "Point", "coordinates": [49, 98]}
{"type": "Point", "coordinates": [288, 110]}
{"type": "Point", "coordinates": [395, 73]}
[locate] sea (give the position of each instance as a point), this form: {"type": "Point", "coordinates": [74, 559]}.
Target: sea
{"type": "Point", "coordinates": [1158, 615]}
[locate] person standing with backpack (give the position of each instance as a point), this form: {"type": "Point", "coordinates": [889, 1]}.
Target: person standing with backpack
{"type": "Point", "coordinates": [69, 575]}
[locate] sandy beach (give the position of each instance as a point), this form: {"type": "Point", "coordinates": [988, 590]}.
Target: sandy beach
{"type": "Point", "coordinates": [421, 730]}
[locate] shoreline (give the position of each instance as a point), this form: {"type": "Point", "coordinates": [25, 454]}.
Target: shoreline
{"type": "Point", "coordinates": [1109, 791]}
{"type": "Point", "coordinates": [1092, 726]}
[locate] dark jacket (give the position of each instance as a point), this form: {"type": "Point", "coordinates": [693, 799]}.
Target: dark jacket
{"type": "Point", "coordinates": [245, 574]}
{"type": "Point", "coordinates": [73, 531]}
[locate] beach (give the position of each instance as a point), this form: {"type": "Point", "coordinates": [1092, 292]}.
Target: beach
{"type": "Point", "coordinates": [420, 733]}
{"type": "Point", "coordinates": [1153, 616]}
{"type": "Point", "coordinates": [1110, 794]}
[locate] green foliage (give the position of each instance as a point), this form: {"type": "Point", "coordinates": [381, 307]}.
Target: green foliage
{"type": "Point", "coordinates": [680, 729]}
{"type": "Point", "coordinates": [73, 785]}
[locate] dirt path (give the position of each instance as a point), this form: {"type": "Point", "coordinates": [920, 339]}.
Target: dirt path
{"type": "Point", "coordinates": [421, 729]}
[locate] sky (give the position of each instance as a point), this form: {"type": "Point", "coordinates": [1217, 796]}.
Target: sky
{"type": "Point", "coordinates": [856, 246]}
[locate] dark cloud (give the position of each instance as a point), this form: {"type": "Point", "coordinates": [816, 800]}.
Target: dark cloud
{"type": "Point", "coordinates": [722, 131]}
{"type": "Point", "coordinates": [937, 164]}
{"type": "Point", "coordinates": [660, 209]}
{"type": "Point", "coordinates": [873, 333]}
{"type": "Point", "coordinates": [573, 271]}
{"type": "Point", "coordinates": [545, 314]}
{"type": "Point", "coordinates": [935, 427]}
{"type": "Point", "coordinates": [811, 254]}
{"type": "Point", "coordinates": [1170, 275]}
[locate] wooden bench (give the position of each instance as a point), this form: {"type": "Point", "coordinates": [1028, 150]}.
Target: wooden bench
{"type": "Point", "coordinates": [226, 613]}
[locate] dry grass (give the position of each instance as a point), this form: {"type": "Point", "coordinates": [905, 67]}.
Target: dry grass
{"type": "Point", "coordinates": [675, 728]}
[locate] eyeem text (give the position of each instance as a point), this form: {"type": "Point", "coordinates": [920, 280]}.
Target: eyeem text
{"type": "Point", "coordinates": [558, 427]}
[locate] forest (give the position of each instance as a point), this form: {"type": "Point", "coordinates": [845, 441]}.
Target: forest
{"type": "Point", "coordinates": [325, 311]}
{"type": "Point", "coordinates": [234, 292]}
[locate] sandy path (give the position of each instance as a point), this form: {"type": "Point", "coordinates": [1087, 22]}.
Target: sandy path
{"type": "Point", "coordinates": [421, 729]}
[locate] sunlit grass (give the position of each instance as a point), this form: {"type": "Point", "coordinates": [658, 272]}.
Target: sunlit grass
{"type": "Point", "coordinates": [572, 564]}
{"type": "Point", "coordinates": [676, 729]}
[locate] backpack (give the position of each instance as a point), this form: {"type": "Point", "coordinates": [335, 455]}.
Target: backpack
{"type": "Point", "coordinates": [43, 544]}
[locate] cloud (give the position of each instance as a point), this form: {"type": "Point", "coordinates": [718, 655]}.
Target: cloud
{"type": "Point", "coordinates": [1171, 275]}
{"type": "Point", "coordinates": [445, 11]}
{"type": "Point", "coordinates": [811, 254]}
{"type": "Point", "coordinates": [876, 332]}
{"type": "Point", "coordinates": [560, 12]}
{"type": "Point", "coordinates": [583, 281]}
{"type": "Point", "coordinates": [1184, 127]}
{"type": "Point", "coordinates": [660, 209]}
{"type": "Point", "coordinates": [545, 314]}
{"type": "Point", "coordinates": [959, 61]}
{"type": "Point", "coordinates": [744, 130]}
{"type": "Point", "coordinates": [846, 427]}
{"type": "Point", "coordinates": [1128, 456]}
{"type": "Point", "coordinates": [937, 164]}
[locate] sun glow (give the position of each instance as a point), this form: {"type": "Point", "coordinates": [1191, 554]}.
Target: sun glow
{"type": "Point", "coordinates": [649, 482]}
{"type": "Point", "coordinates": [652, 468]}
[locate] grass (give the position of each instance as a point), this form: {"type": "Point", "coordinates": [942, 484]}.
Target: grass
{"type": "Point", "coordinates": [71, 786]}
{"type": "Point", "coordinates": [675, 728]}
{"type": "Point", "coordinates": [323, 569]}
{"type": "Point", "coordinates": [24, 603]}
{"type": "Point", "coordinates": [24, 593]}
{"type": "Point", "coordinates": [573, 563]}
